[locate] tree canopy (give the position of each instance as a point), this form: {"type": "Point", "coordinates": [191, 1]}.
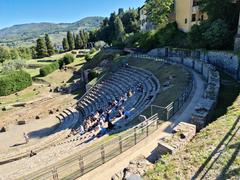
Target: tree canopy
{"type": "Point", "coordinates": [49, 45]}
{"type": "Point", "coordinates": [41, 48]}
{"type": "Point", "coordinates": [159, 10]}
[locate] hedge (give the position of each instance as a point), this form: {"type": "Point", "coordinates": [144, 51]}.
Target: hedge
{"type": "Point", "coordinates": [68, 59]}
{"type": "Point", "coordinates": [14, 81]}
{"type": "Point", "coordinates": [47, 69]}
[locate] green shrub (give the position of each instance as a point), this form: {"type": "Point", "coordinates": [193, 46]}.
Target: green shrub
{"type": "Point", "coordinates": [93, 50]}
{"type": "Point", "coordinates": [14, 81]}
{"type": "Point", "coordinates": [47, 69]}
{"type": "Point", "coordinates": [88, 57]}
{"type": "Point", "coordinates": [61, 63]}
{"type": "Point", "coordinates": [74, 52]}
{"type": "Point", "coordinates": [92, 75]}
{"type": "Point", "coordinates": [68, 59]}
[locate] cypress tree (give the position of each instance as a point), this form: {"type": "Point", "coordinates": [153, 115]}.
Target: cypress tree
{"type": "Point", "coordinates": [49, 45]}
{"type": "Point", "coordinates": [70, 40]}
{"type": "Point", "coordinates": [41, 48]}
{"type": "Point", "coordinates": [119, 29]}
{"type": "Point", "coordinates": [78, 42]}
{"type": "Point", "coordinates": [65, 44]}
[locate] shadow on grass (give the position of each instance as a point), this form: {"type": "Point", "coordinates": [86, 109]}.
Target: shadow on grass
{"type": "Point", "coordinates": [224, 174]}
{"type": "Point", "coordinates": [231, 133]}
{"type": "Point", "coordinates": [229, 92]}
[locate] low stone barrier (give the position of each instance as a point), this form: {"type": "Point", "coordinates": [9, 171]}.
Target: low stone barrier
{"type": "Point", "coordinates": [180, 136]}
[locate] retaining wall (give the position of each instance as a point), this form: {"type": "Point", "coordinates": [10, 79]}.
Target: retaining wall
{"type": "Point", "coordinates": [226, 61]}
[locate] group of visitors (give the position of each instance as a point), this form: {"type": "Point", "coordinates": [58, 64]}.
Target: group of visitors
{"type": "Point", "coordinates": [101, 120]}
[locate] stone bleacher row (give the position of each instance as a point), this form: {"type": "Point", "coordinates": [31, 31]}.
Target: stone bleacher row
{"type": "Point", "coordinates": [115, 86]}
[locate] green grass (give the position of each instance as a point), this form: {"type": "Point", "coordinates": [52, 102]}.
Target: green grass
{"type": "Point", "coordinates": [162, 72]}
{"type": "Point", "coordinates": [23, 97]}
{"type": "Point", "coordinates": [203, 150]}
{"type": "Point", "coordinates": [32, 72]}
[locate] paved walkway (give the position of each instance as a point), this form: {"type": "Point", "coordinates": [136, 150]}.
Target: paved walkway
{"type": "Point", "coordinates": [147, 146]}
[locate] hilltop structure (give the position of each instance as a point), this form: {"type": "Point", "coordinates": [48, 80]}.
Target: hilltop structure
{"type": "Point", "coordinates": [186, 13]}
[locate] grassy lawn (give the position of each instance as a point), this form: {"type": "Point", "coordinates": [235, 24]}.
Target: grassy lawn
{"type": "Point", "coordinates": [23, 96]}
{"type": "Point", "coordinates": [215, 151]}
{"type": "Point", "coordinates": [32, 72]}
{"type": "Point", "coordinates": [163, 72]}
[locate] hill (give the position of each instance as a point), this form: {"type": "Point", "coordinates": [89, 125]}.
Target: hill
{"type": "Point", "coordinates": [26, 34]}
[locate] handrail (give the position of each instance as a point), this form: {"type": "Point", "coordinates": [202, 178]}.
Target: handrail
{"type": "Point", "coordinates": [75, 157]}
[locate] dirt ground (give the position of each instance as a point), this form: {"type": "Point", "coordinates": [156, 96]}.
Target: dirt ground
{"type": "Point", "coordinates": [39, 100]}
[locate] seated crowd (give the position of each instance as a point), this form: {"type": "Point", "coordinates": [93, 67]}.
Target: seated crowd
{"type": "Point", "coordinates": [100, 122]}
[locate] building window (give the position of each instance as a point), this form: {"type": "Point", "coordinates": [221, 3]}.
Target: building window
{"type": "Point", "coordinates": [193, 17]}
{"type": "Point", "coordinates": [186, 21]}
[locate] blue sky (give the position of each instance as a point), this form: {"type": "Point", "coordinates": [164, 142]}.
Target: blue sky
{"type": "Point", "coordinates": [27, 11]}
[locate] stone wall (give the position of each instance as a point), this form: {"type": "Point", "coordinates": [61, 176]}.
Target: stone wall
{"type": "Point", "coordinates": [205, 65]}
{"type": "Point", "coordinates": [226, 61]}
{"type": "Point", "coordinates": [181, 135]}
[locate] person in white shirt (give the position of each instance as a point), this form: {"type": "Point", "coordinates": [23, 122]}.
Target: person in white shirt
{"type": "Point", "coordinates": [26, 138]}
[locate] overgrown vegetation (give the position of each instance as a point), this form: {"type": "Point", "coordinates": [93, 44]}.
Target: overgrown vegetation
{"type": "Point", "coordinates": [14, 81]}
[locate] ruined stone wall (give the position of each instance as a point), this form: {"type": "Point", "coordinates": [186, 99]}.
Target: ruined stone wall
{"type": "Point", "coordinates": [226, 61]}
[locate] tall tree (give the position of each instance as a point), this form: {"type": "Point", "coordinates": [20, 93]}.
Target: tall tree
{"type": "Point", "coordinates": [226, 10]}
{"type": "Point", "coordinates": [119, 29]}
{"type": "Point", "coordinates": [78, 42]}
{"type": "Point", "coordinates": [14, 53]}
{"type": "Point", "coordinates": [70, 40]}
{"type": "Point", "coordinates": [130, 20]}
{"type": "Point", "coordinates": [84, 37]}
{"type": "Point", "coordinates": [49, 45]}
{"type": "Point", "coordinates": [41, 48]}
{"type": "Point", "coordinates": [65, 44]}
{"type": "Point", "coordinates": [4, 54]}
{"type": "Point", "coordinates": [120, 12]}
{"type": "Point", "coordinates": [158, 11]}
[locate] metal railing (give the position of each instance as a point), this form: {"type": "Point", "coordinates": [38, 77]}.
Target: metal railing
{"type": "Point", "coordinates": [165, 113]}
{"type": "Point", "coordinates": [91, 158]}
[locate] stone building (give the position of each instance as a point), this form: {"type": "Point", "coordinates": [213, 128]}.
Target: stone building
{"type": "Point", "coordinates": [145, 24]}
{"type": "Point", "coordinates": [186, 14]}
